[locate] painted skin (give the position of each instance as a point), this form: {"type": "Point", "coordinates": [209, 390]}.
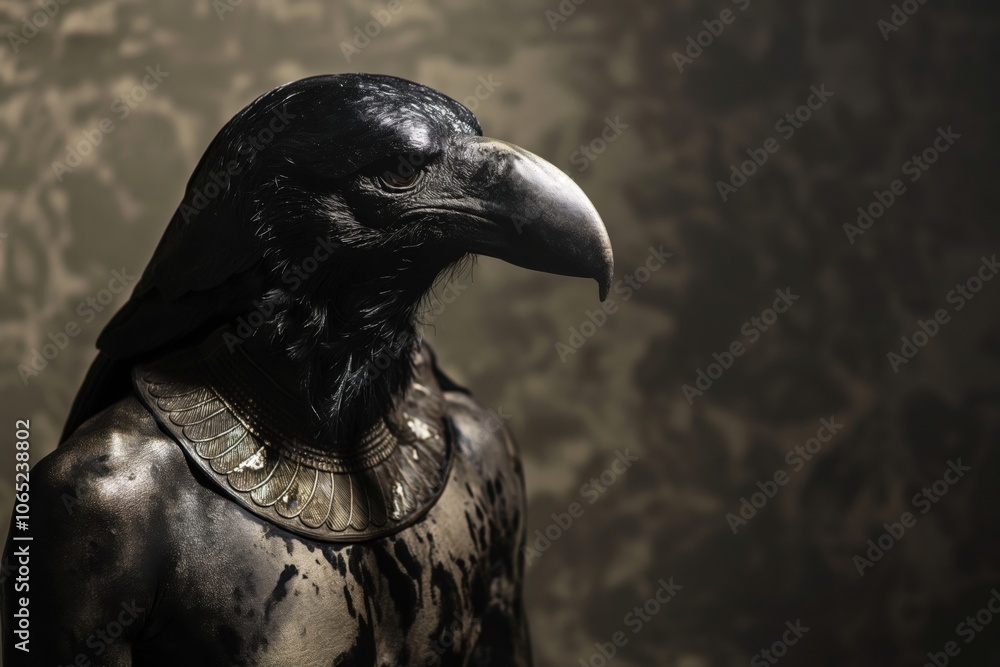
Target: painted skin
{"type": "Point", "coordinates": [135, 537]}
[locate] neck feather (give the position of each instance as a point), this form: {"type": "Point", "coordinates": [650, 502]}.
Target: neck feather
{"type": "Point", "coordinates": [347, 358]}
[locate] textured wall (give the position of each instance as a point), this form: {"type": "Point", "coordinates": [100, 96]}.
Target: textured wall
{"type": "Point", "coordinates": [552, 80]}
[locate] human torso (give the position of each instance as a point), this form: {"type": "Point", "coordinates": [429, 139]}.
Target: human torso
{"type": "Point", "coordinates": [237, 590]}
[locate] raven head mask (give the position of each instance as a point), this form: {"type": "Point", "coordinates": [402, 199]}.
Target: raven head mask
{"type": "Point", "coordinates": [322, 213]}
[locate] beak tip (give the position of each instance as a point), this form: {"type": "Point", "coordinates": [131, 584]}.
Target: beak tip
{"type": "Point", "coordinates": [604, 281]}
{"type": "Point", "coordinates": [604, 286]}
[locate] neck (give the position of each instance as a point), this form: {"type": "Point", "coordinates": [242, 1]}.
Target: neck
{"type": "Point", "coordinates": [346, 360]}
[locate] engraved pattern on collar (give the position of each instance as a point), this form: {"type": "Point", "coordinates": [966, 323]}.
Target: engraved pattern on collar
{"type": "Point", "coordinates": [383, 486]}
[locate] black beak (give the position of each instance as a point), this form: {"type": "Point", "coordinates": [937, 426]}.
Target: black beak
{"type": "Point", "coordinates": [523, 210]}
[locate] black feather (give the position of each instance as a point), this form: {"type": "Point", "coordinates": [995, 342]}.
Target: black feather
{"type": "Point", "coordinates": [268, 189]}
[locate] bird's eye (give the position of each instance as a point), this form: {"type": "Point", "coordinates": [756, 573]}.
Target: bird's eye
{"type": "Point", "coordinates": [400, 180]}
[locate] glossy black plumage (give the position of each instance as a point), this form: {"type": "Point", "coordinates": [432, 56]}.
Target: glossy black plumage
{"type": "Point", "coordinates": [211, 263]}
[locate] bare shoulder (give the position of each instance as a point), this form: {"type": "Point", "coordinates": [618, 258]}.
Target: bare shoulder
{"type": "Point", "coordinates": [482, 433]}
{"type": "Point", "coordinates": [96, 522]}
{"type": "Point", "coordinates": [118, 463]}
{"type": "Point", "coordinates": [490, 463]}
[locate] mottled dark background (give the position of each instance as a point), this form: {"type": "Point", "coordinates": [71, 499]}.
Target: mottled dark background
{"type": "Point", "coordinates": [555, 84]}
